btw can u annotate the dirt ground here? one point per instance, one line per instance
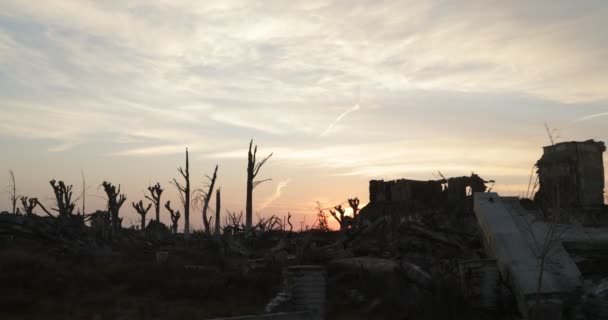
(40, 282)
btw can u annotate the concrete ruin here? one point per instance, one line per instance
(427, 193)
(572, 174)
(517, 239)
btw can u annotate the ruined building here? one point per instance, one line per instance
(414, 198)
(571, 175)
(430, 193)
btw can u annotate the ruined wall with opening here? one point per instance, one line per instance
(572, 174)
(429, 193)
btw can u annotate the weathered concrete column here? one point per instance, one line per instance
(307, 285)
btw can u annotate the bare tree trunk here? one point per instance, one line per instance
(139, 207)
(44, 209)
(63, 196)
(253, 169)
(84, 194)
(155, 194)
(354, 204)
(175, 215)
(249, 203)
(28, 205)
(206, 199)
(217, 212)
(339, 216)
(184, 191)
(115, 201)
(187, 199)
(13, 192)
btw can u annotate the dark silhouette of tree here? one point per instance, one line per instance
(63, 197)
(338, 214)
(218, 199)
(233, 222)
(115, 201)
(28, 205)
(175, 215)
(139, 207)
(84, 193)
(206, 199)
(155, 193)
(13, 192)
(354, 204)
(322, 223)
(43, 208)
(184, 194)
(253, 168)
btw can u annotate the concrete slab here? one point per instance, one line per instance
(515, 239)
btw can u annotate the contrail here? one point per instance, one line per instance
(277, 193)
(339, 118)
(589, 117)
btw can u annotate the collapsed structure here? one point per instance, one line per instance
(428, 193)
(411, 199)
(571, 176)
(552, 266)
(544, 258)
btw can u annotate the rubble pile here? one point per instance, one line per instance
(417, 245)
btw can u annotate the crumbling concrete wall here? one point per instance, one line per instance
(428, 193)
(405, 190)
(572, 173)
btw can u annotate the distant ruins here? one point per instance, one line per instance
(572, 174)
(428, 193)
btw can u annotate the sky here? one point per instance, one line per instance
(340, 91)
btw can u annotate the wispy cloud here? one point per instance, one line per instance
(157, 150)
(250, 123)
(276, 195)
(135, 78)
(418, 158)
(590, 117)
(339, 118)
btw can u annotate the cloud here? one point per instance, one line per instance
(339, 118)
(277, 194)
(417, 158)
(137, 78)
(156, 150)
(173, 65)
(238, 121)
(590, 117)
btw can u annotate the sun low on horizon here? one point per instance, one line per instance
(339, 92)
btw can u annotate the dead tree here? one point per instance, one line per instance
(139, 207)
(44, 208)
(354, 204)
(28, 205)
(233, 222)
(184, 194)
(175, 215)
(13, 192)
(206, 198)
(155, 192)
(115, 201)
(84, 193)
(322, 223)
(272, 223)
(63, 196)
(339, 215)
(253, 168)
(218, 199)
